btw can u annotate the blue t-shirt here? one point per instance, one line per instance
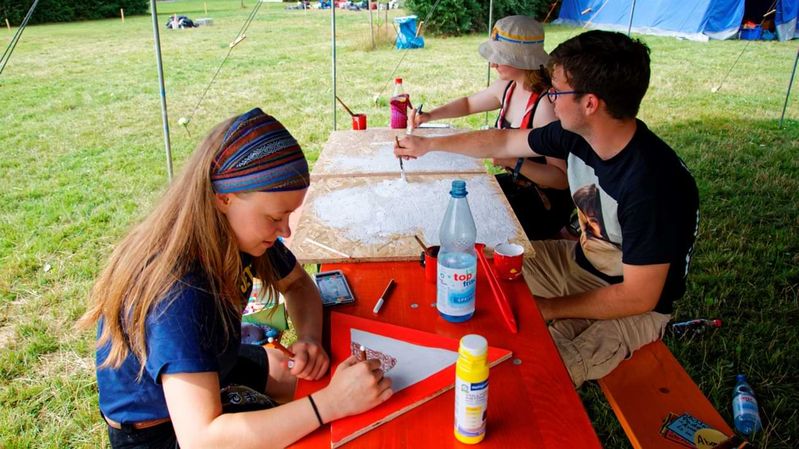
(185, 334)
(639, 207)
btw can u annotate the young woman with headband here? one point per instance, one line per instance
(170, 366)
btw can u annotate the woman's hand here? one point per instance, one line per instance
(417, 119)
(355, 387)
(310, 359)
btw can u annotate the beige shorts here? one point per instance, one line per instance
(590, 349)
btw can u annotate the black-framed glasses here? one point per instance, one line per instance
(553, 94)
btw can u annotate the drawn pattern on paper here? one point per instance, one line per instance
(413, 363)
(386, 361)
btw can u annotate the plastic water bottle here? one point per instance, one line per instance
(457, 261)
(696, 326)
(400, 102)
(471, 389)
(744, 407)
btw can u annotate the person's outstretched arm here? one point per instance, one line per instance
(551, 175)
(487, 99)
(496, 143)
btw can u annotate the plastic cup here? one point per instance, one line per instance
(429, 260)
(359, 122)
(508, 261)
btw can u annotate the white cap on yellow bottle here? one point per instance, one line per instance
(475, 345)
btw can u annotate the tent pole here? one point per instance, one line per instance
(371, 23)
(790, 83)
(164, 118)
(333, 34)
(632, 12)
(490, 26)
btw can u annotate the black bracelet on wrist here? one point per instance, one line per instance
(316, 411)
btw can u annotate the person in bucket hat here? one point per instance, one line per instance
(171, 368)
(536, 188)
(517, 41)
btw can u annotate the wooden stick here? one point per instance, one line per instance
(205, 5)
(122, 14)
(421, 243)
(8, 25)
(335, 251)
(499, 294)
(345, 106)
(240, 38)
(371, 24)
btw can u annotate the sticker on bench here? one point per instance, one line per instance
(682, 428)
(708, 438)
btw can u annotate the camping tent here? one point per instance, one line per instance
(698, 20)
(785, 22)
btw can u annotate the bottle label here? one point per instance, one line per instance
(399, 111)
(471, 403)
(744, 405)
(455, 291)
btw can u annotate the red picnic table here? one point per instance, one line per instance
(532, 402)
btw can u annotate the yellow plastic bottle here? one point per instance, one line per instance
(471, 389)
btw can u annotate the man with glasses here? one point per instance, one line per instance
(637, 203)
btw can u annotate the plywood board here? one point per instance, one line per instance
(375, 218)
(371, 152)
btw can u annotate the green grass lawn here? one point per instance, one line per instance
(83, 159)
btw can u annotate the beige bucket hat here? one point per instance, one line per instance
(517, 41)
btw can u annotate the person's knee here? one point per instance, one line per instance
(601, 348)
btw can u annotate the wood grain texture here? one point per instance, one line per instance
(389, 247)
(343, 145)
(532, 404)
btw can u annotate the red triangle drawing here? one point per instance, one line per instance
(412, 396)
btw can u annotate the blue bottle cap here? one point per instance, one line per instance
(740, 378)
(458, 189)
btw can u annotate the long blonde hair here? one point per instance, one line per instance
(185, 230)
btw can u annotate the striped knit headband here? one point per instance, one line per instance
(259, 155)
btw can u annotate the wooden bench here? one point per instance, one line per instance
(644, 389)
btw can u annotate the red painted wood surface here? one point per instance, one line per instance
(646, 388)
(531, 404)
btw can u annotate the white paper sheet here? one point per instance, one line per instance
(414, 362)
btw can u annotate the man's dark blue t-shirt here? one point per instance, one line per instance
(185, 334)
(640, 207)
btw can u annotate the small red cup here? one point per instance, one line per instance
(429, 260)
(508, 261)
(359, 122)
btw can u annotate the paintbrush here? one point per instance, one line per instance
(417, 111)
(402, 168)
(345, 106)
(421, 243)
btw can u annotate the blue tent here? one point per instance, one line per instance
(785, 22)
(697, 20)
